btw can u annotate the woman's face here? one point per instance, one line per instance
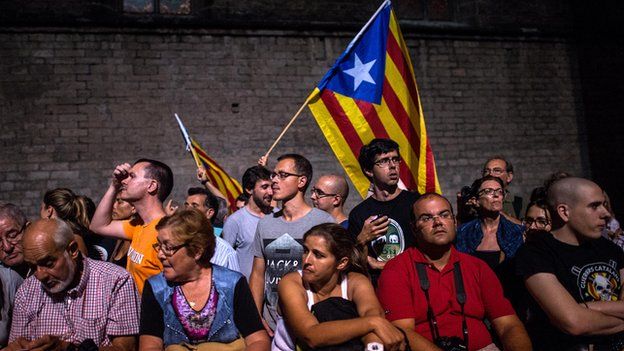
(319, 264)
(490, 196)
(175, 257)
(537, 218)
(122, 209)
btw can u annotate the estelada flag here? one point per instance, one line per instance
(227, 185)
(371, 92)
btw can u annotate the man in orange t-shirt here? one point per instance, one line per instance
(146, 184)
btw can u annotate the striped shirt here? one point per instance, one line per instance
(225, 255)
(104, 304)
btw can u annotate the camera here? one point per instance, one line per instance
(451, 343)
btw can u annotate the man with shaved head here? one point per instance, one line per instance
(329, 194)
(573, 275)
(71, 301)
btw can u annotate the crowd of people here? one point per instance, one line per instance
(401, 271)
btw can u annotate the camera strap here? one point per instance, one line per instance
(460, 295)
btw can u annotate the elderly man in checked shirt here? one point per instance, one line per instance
(71, 300)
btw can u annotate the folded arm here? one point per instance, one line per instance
(565, 313)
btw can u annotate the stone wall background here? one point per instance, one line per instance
(74, 103)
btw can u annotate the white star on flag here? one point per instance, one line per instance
(360, 72)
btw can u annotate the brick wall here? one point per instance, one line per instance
(75, 104)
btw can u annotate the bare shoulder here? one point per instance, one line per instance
(291, 281)
(354, 278)
(358, 283)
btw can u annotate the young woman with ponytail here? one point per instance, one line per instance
(64, 204)
(330, 304)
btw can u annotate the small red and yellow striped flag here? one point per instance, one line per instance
(371, 92)
(227, 185)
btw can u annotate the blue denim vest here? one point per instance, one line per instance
(222, 329)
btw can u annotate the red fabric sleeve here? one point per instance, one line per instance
(394, 289)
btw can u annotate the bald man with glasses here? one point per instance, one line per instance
(329, 194)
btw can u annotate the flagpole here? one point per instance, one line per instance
(383, 4)
(316, 91)
(188, 141)
(196, 158)
(292, 120)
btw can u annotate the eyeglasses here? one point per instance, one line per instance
(426, 218)
(385, 162)
(494, 171)
(168, 250)
(491, 192)
(320, 193)
(283, 175)
(540, 222)
(14, 236)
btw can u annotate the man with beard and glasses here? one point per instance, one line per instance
(71, 301)
(240, 227)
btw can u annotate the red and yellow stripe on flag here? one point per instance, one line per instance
(226, 184)
(349, 123)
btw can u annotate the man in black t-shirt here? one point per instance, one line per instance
(573, 274)
(381, 222)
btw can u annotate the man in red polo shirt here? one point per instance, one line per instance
(419, 292)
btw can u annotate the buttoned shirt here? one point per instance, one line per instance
(402, 297)
(104, 304)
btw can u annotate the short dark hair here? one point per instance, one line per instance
(243, 197)
(161, 173)
(508, 165)
(474, 188)
(210, 202)
(426, 196)
(374, 148)
(302, 166)
(253, 174)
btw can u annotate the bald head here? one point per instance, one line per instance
(336, 184)
(48, 231)
(568, 191)
(577, 208)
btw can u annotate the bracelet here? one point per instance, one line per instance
(585, 303)
(203, 182)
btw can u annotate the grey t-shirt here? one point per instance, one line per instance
(240, 230)
(280, 244)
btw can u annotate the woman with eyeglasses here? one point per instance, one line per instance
(330, 304)
(536, 219)
(192, 304)
(490, 237)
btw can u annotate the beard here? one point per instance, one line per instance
(55, 286)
